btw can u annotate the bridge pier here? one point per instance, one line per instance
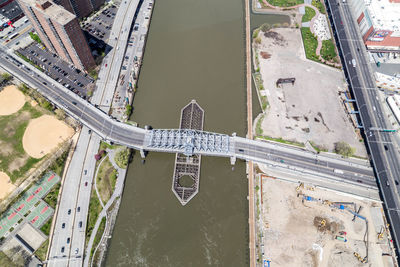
(143, 153)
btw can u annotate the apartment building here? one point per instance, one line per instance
(60, 31)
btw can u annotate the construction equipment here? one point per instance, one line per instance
(380, 234)
(301, 185)
(341, 238)
(360, 259)
(322, 223)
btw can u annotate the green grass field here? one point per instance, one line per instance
(320, 5)
(13, 159)
(106, 178)
(328, 51)
(310, 13)
(94, 210)
(51, 197)
(285, 3)
(310, 43)
(42, 250)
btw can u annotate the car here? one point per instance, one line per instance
(80, 224)
(241, 150)
(69, 211)
(79, 209)
(359, 181)
(76, 251)
(85, 172)
(396, 182)
(63, 226)
(62, 249)
(73, 102)
(86, 183)
(68, 240)
(106, 65)
(386, 148)
(44, 83)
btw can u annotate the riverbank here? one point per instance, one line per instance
(121, 109)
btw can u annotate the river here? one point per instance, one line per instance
(195, 50)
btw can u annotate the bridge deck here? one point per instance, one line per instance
(192, 117)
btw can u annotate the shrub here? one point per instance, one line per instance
(35, 37)
(344, 149)
(265, 27)
(122, 158)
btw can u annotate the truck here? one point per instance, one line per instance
(338, 171)
(353, 61)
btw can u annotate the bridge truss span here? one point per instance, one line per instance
(188, 142)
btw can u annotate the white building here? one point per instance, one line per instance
(379, 22)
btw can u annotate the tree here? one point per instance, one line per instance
(122, 158)
(128, 110)
(344, 149)
(265, 27)
(35, 37)
(60, 114)
(6, 76)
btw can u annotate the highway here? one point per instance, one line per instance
(78, 182)
(380, 144)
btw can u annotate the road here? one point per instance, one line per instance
(380, 144)
(77, 186)
(118, 132)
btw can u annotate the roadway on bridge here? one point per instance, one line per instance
(381, 148)
(134, 137)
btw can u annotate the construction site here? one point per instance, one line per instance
(304, 225)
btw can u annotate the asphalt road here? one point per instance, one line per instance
(380, 144)
(255, 150)
(118, 132)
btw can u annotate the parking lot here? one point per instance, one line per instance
(64, 73)
(97, 31)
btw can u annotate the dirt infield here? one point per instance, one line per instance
(44, 134)
(11, 100)
(5, 185)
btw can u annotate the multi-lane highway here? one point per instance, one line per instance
(69, 235)
(380, 144)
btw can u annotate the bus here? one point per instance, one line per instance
(14, 36)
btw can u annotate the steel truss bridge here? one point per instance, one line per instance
(185, 141)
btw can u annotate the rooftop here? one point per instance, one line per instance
(384, 15)
(52, 10)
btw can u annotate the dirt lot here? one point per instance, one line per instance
(44, 134)
(11, 100)
(5, 185)
(295, 234)
(309, 110)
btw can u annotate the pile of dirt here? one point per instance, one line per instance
(278, 38)
(265, 55)
(325, 226)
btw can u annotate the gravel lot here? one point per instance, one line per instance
(297, 237)
(311, 109)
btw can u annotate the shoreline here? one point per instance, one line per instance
(110, 212)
